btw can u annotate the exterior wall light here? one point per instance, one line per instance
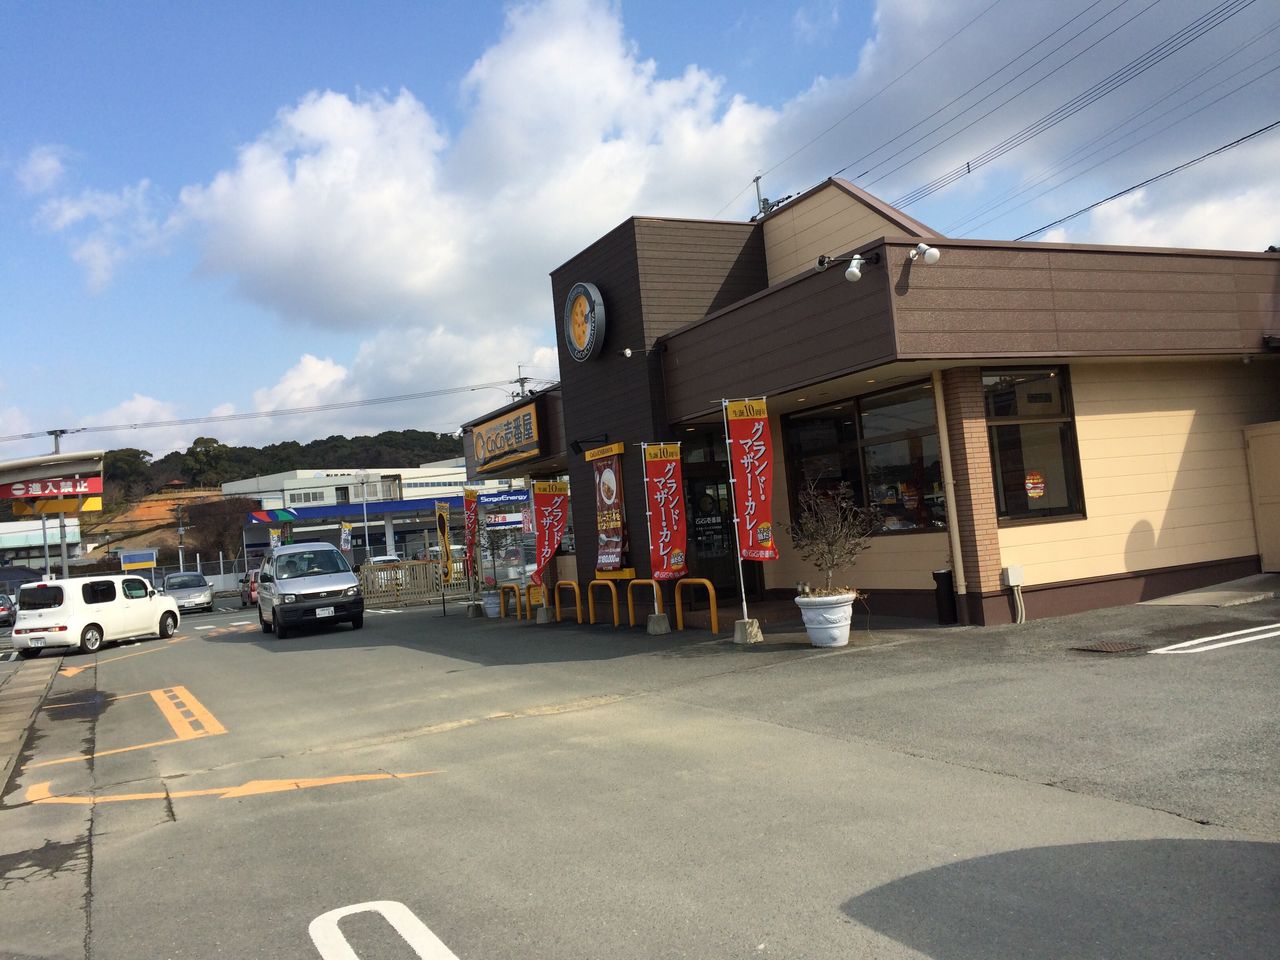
(857, 262)
(928, 254)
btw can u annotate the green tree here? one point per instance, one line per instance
(205, 462)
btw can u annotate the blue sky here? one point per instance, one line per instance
(211, 209)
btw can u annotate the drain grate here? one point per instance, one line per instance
(1111, 646)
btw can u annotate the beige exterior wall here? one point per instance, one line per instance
(1163, 465)
(894, 562)
(827, 221)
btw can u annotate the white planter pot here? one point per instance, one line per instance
(827, 619)
(492, 604)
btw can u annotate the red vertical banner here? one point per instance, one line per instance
(470, 525)
(751, 459)
(611, 517)
(664, 496)
(550, 517)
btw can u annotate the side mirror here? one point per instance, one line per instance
(152, 593)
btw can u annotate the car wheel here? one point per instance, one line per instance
(281, 630)
(266, 627)
(357, 621)
(28, 653)
(168, 624)
(91, 638)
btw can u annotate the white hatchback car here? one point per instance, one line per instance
(85, 612)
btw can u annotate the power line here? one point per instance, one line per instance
(1135, 68)
(1063, 165)
(994, 73)
(266, 414)
(814, 139)
(1160, 176)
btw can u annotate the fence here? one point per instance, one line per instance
(412, 582)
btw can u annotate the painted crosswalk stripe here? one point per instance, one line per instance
(241, 623)
(206, 626)
(1227, 639)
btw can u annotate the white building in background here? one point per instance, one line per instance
(313, 488)
(22, 542)
(391, 509)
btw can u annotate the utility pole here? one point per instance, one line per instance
(62, 517)
(522, 380)
(181, 530)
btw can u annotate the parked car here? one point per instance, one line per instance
(305, 583)
(191, 591)
(249, 589)
(6, 610)
(87, 612)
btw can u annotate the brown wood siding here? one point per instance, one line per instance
(805, 330)
(997, 301)
(689, 269)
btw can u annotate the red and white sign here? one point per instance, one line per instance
(751, 459)
(81, 487)
(551, 516)
(1034, 484)
(664, 492)
(470, 523)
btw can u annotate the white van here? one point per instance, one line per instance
(85, 612)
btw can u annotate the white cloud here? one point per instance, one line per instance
(105, 228)
(362, 213)
(43, 169)
(813, 22)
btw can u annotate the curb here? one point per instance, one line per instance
(21, 695)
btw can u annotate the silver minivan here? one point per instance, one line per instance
(300, 584)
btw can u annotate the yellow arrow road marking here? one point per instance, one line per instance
(43, 793)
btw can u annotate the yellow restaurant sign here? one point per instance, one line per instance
(507, 439)
(65, 505)
(599, 453)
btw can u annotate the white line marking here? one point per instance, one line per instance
(334, 946)
(240, 623)
(1245, 636)
(206, 626)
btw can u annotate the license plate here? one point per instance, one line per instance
(36, 642)
(324, 611)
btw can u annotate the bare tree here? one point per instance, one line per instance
(831, 529)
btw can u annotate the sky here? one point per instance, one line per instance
(213, 210)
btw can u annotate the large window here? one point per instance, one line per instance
(884, 446)
(1033, 443)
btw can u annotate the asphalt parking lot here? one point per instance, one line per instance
(575, 792)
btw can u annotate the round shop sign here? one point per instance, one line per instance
(1035, 485)
(583, 321)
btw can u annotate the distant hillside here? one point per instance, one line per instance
(131, 473)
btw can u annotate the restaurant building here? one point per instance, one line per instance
(1060, 426)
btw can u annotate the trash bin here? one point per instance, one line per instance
(944, 594)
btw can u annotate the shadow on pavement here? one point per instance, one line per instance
(1140, 900)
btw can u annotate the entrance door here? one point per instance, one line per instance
(712, 548)
(1262, 445)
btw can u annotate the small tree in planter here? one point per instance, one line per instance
(830, 530)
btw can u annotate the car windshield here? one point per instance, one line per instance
(183, 581)
(316, 564)
(42, 597)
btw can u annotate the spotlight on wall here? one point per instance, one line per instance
(577, 446)
(928, 254)
(625, 353)
(857, 263)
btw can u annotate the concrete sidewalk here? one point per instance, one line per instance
(23, 687)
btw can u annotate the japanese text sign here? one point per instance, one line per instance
(442, 533)
(551, 516)
(79, 487)
(470, 524)
(664, 495)
(751, 460)
(611, 520)
(507, 439)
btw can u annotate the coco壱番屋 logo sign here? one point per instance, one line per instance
(583, 321)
